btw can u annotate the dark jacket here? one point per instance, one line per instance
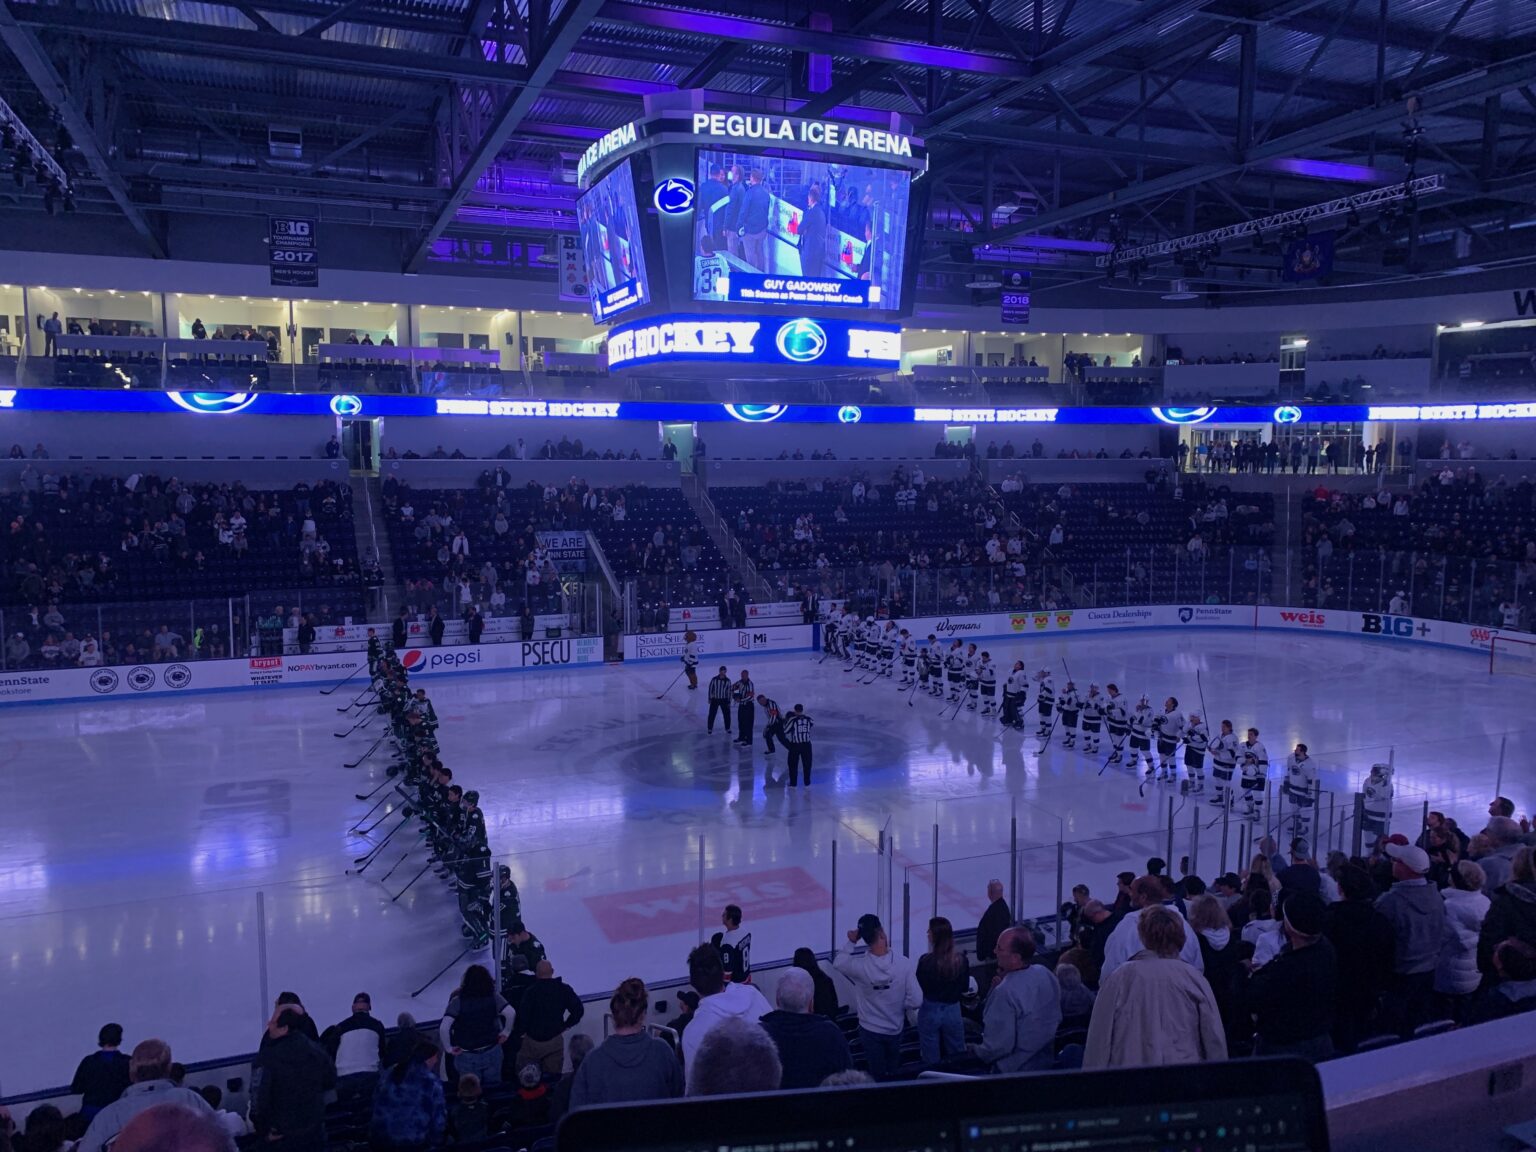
(1228, 979)
(756, 209)
(813, 240)
(994, 922)
(1512, 912)
(547, 1009)
(1292, 997)
(398, 632)
(289, 1080)
(811, 1047)
(825, 1003)
(100, 1079)
(1364, 945)
(937, 989)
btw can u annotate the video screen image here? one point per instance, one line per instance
(787, 230)
(611, 250)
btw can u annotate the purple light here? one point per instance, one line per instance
(1330, 170)
(1048, 243)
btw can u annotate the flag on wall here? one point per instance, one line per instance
(1309, 258)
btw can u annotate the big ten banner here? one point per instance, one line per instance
(573, 277)
(756, 639)
(567, 550)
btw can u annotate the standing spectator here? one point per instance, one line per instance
(994, 921)
(811, 1047)
(548, 1010)
(735, 945)
(1023, 1010)
(718, 1000)
(1417, 914)
(435, 627)
(409, 1112)
(1511, 911)
(1364, 944)
(630, 1064)
(476, 1023)
(1155, 1009)
(1504, 841)
(1292, 997)
(825, 1003)
(103, 1075)
(289, 1080)
(357, 1046)
(150, 1070)
(885, 989)
(944, 976)
(1456, 974)
(1124, 942)
(1224, 972)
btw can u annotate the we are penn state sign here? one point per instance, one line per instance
(779, 342)
(856, 143)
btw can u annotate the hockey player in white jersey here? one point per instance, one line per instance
(908, 659)
(972, 676)
(889, 642)
(1141, 735)
(1224, 748)
(870, 649)
(935, 667)
(829, 630)
(1093, 719)
(1117, 719)
(1253, 761)
(1169, 727)
(1015, 691)
(1070, 705)
(1301, 790)
(986, 672)
(1376, 820)
(1196, 740)
(847, 635)
(954, 669)
(1045, 702)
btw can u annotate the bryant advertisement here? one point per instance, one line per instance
(798, 231)
(611, 250)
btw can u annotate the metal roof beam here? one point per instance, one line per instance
(556, 45)
(40, 70)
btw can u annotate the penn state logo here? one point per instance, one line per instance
(1287, 414)
(1184, 415)
(756, 413)
(673, 196)
(177, 676)
(213, 403)
(1186, 615)
(849, 414)
(345, 406)
(801, 341)
(141, 679)
(103, 680)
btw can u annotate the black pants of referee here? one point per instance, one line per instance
(723, 707)
(746, 717)
(774, 728)
(799, 756)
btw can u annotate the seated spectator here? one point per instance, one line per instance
(1077, 998)
(1514, 968)
(45, 1131)
(232, 1122)
(149, 1069)
(1155, 1009)
(1022, 1011)
(718, 1000)
(408, 1106)
(1511, 911)
(579, 1048)
(103, 1075)
(289, 1081)
(736, 1056)
(810, 1047)
(357, 1046)
(630, 1064)
(1292, 997)
(469, 1116)
(529, 1106)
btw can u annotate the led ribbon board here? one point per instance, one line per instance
(755, 340)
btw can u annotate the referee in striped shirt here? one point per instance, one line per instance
(797, 739)
(719, 700)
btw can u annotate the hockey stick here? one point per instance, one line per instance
(365, 755)
(671, 686)
(359, 702)
(395, 865)
(356, 827)
(360, 722)
(1113, 748)
(911, 692)
(1051, 731)
(369, 796)
(373, 853)
(338, 684)
(414, 878)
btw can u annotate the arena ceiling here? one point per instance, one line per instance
(1054, 126)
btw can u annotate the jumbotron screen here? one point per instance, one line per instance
(797, 231)
(611, 248)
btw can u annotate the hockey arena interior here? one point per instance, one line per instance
(960, 576)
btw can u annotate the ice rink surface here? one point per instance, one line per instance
(140, 839)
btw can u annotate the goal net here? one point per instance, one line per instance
(1512, 656)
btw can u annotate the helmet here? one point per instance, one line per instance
(472, 797)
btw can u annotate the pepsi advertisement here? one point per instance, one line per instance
(608, 221)
(798, 231)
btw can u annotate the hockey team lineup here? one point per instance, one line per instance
(963, 677)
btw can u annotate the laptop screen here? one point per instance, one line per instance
(1240, 1106)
